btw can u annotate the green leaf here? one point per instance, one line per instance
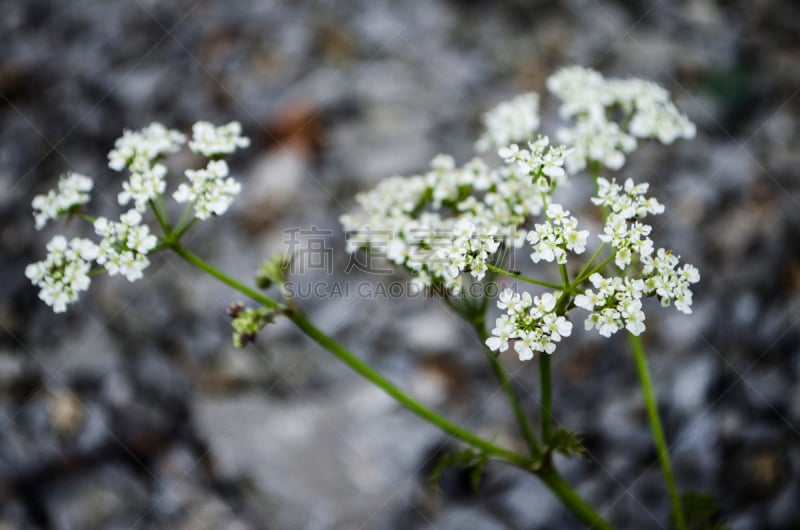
(567, 443)
(467, 458)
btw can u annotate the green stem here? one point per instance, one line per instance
(224, 278)
(505, 383)
(582, 278)
(160, 217)
(591, 260)
(545, 381)
(658, 431)
(86, 217)
(187, 211)
(523, 278)
(549, 476)
(360, 367)
(398, 395)
(572, 500)
(179, 232)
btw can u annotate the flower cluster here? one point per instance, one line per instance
(551, 240)
(210, 189)
(446, 221)
(642, 110)
(672, 284)
(126, 243)
(136, 150)
(452, 220)
(469, 249)
(616, 304)
(542, 161)
(73, 190)
(531, 323)
(212, 141)
(64, 273)
(623, 204)
(510, 122)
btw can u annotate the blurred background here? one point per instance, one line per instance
(133, 410)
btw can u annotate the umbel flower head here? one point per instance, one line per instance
(125, 244)
(64, 273)
(73, 190)
(453, 220)
(642, 110)
(532, 321)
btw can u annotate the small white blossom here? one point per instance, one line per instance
(596, 140)
(551, 240)
(668, 281)
(210, 189)
(610, 114)
(73, 190)
(211, 141)
(125, 245)
(540, 160)
(143, 186)
(510, 122)
(65, 271)
(614, 304)
(447, 221)
(530, 322)
(625, 203)
(138, 149)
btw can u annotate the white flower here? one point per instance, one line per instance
(512, 121)
(210, 189)
(551, 240)
(669, 282)
(525, 345)
(137, 149)
(211, 141)
(73, 190)
(64, 273)
(125, 245)
(642, 110)
(501, 334)
(540, 160)
(143, 186)
(445, 222)
(530, 322)
(616, 304)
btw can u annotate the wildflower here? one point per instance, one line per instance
(615, 304)
(73, 190)
(512, 121)
(642, 110)
(210, 189)
(125, 245)
(446, 221)
(212, 141)
(530, 322)
(540, 160)
(138, 149)
(143, 186)
(64, 273)
(551, 240)
(668, 281)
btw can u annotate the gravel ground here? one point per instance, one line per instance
(134, 411)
